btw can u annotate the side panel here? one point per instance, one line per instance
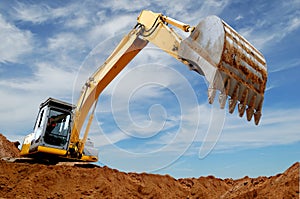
(40, 126)
(26, 144)
(38, 130)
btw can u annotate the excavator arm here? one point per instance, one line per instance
(128, 48)
(229, 62)
(150, 27)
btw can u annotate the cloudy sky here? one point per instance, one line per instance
(154, 116)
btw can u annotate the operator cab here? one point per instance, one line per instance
(50, 139)
(53, 126)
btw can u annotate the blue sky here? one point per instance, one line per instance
(154, 116)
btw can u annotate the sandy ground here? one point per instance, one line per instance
(24, 180)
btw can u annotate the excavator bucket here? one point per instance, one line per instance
(230, 64)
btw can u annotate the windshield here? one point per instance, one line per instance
(58, 127)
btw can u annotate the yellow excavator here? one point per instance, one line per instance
(233, 68)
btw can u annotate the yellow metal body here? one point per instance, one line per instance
(26, 144)
(241, 74)
(50, 150)
(25, 149)
(61, 154)
(43, 149)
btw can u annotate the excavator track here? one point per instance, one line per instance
(47, 162)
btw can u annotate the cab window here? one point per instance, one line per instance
(58, 127)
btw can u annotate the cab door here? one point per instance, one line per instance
(39, 128)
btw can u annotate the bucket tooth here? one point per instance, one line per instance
(249, 112)
(243, 102)
(244, 97)
(211, 95)
(227, 85)
(241, 108)
(233, 100)
(257, 116)
(250, 109)
(222, 100)
(232, 103)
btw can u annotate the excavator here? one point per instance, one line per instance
(234, 69)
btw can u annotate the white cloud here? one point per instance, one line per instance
(275, 25)
(23, 96)
(65, 42)
(80, 21)
(102, 139)
(293, 24)
(70, 16)
(47, 79)
(239, 17)
(111, 27)
(288, 65)
(32, 13)
(277, 127)
(39, 13)
(269, 133)
(167, 147)
(125, 6)
(14, 42)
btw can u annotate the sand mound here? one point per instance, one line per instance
(7, 148)
(23, 180)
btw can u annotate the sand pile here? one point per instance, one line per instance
(7, 148)
(23, 180)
